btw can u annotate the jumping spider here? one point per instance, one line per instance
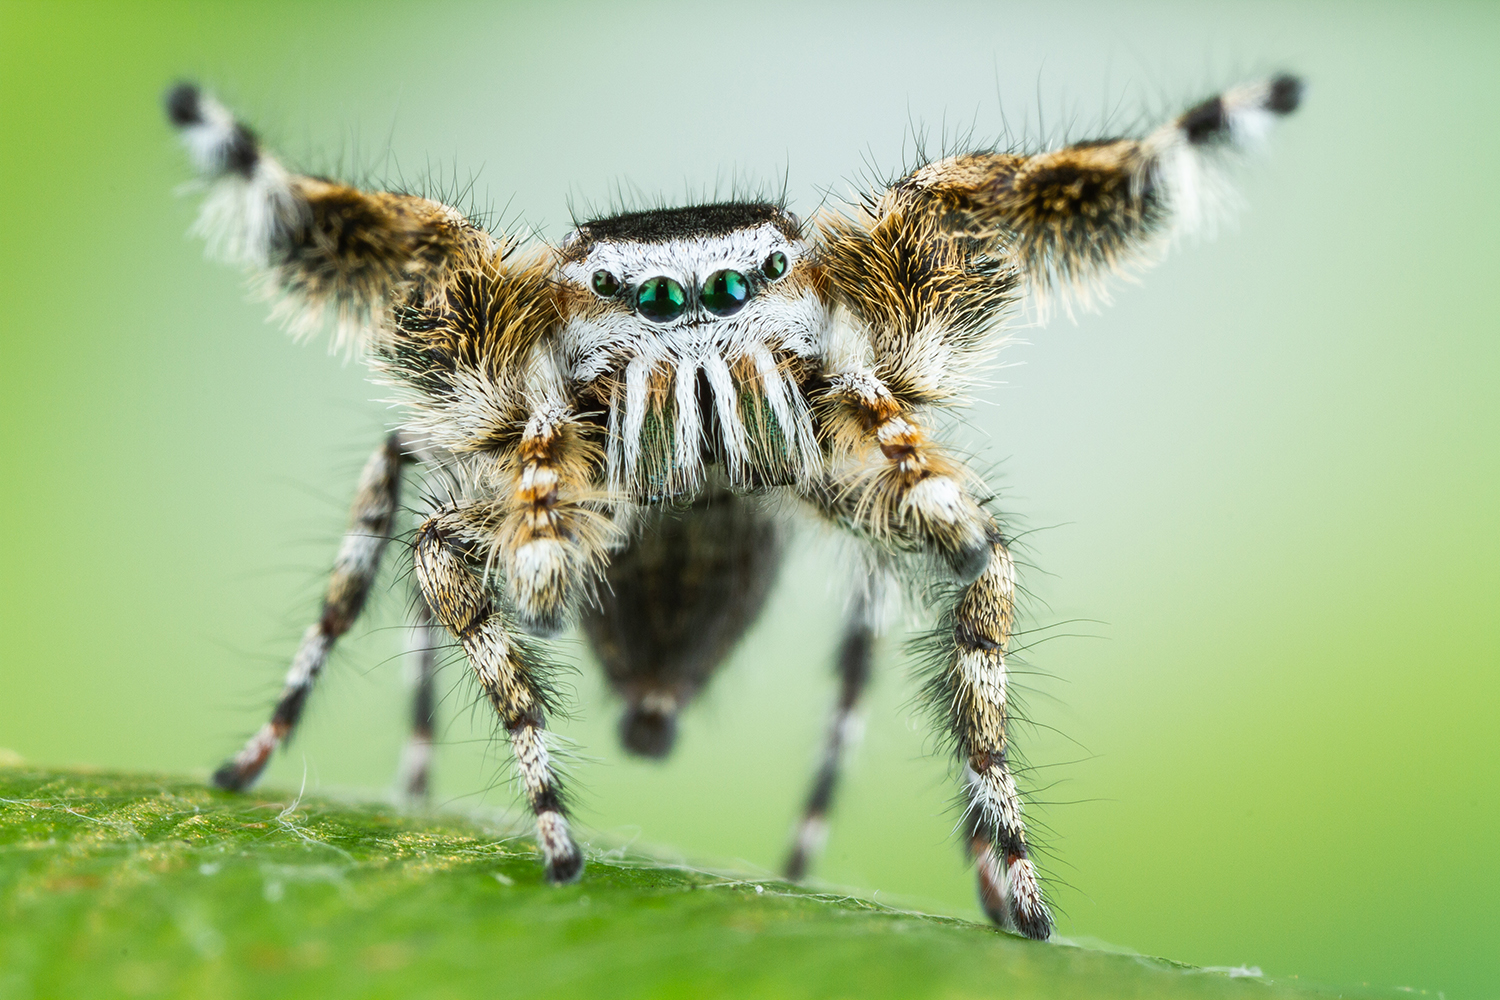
(612, 414)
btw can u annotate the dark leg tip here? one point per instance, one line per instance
(232, 778)
(182, 105)
(795, 869)
(1286, 94)
(566, 869)
(648, 733)
(1037, 925)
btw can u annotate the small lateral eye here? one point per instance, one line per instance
(605, 284)
(725, 292)
(774, 266)
(660, 299)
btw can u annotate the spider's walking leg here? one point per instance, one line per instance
(448, 546)
(416, 758)
(349, 584)
(972, 686)
(853, 666)
(901, 491)
(554, 538)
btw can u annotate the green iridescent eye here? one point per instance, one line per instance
(660, 299)
(725, 292)
(775, 265)
(605, 284)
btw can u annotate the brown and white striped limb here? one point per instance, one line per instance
(449, 549)
(553, 537)
(891, 482)
(1070, 217)
(973, 688)
(970, 687)
(370, 521)
(324, 249)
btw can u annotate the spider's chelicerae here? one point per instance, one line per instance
(620, 419)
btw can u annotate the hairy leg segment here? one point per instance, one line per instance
(449, 549)
(879, 495)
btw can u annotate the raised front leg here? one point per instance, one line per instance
(450, 563)
(321, 247)
(1072, 215)
(925, 273)
(348, 585)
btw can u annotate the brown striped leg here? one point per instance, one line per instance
(348, 585)
(853, 666)
(973, 687)
(554, 539)
(1069, 217)
(449, 571)
(416, 759)
(903, 487)
(326, 247)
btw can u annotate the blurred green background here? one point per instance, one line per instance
(1265, 560)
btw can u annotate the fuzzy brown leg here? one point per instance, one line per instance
(325, 247)
(365, 539)
(853, 669)
(1073, 214)
(449, 572)
(554, 539)
(972, 685)
(912, 493)
(416, 759)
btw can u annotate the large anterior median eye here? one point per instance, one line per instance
(660, 299)
(725, 292)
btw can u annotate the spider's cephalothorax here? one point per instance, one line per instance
(620, 419)
(694, 329)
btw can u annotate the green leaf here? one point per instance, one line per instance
(130, 885)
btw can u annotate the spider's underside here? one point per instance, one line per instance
(622, 417)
